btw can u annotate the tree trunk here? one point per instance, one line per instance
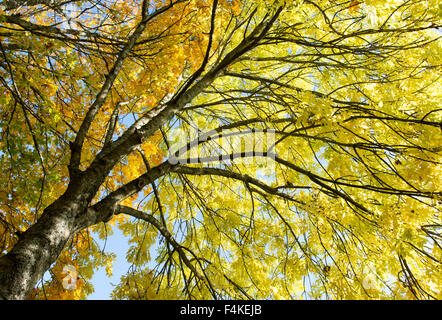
(38, 248)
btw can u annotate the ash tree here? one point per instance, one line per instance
(153, 117)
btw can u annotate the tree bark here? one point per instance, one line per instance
(37, 249)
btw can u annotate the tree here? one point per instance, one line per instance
(138, 115)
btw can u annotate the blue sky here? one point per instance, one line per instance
(118, 244)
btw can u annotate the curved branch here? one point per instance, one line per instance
(164, 232)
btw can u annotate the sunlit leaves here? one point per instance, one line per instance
(349, 209)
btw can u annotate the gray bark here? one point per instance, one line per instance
(37, 249)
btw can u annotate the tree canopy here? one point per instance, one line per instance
(247, 149)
